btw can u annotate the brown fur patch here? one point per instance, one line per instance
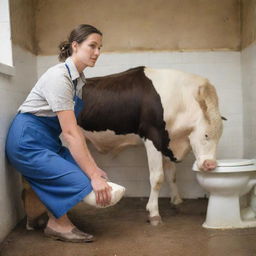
(159, 183)
(32, 204)
(125, 102)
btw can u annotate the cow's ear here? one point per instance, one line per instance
(224, 118)
(208, 101)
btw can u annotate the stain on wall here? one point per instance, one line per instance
(248, 24)
(134, 25)
(22, 13)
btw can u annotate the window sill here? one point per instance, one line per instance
(7, 70)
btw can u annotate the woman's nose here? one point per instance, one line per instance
(97, 52)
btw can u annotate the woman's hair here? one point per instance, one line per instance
(79, 34)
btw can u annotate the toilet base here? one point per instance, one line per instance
(230, 180)
(241, 224)
(223, 212)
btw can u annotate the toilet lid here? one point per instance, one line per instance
(234, 162)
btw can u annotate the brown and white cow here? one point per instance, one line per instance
(168, 110)
(148, 103)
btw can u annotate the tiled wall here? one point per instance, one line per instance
(13, 90)
(248, 63)
(221, 68)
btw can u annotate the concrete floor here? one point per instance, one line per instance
(123, 231)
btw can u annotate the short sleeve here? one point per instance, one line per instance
(58, 91)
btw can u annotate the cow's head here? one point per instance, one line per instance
(207, 130)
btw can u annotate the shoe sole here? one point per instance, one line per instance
(63, 239)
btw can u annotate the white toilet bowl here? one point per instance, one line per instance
(231, 179)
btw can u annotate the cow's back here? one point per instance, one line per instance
(118, 102)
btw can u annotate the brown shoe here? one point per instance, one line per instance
(74, 236)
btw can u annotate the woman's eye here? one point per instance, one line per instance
(206, 136)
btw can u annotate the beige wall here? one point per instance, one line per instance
(22, 14)
(134, 25)
(248, 12)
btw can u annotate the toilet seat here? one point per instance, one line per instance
(235, 162)
(232, 165)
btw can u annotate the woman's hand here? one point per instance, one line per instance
(101, 189)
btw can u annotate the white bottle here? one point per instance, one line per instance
(117, 193)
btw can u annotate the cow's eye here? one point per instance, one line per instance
(206, 136)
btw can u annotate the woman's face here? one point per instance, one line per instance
(88, 51)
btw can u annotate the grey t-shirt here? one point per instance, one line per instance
(54, 91)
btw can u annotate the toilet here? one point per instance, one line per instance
(231, 179)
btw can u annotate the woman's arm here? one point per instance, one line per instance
(104, 174)
(76, 143)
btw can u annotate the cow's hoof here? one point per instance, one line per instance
(155, 220)
(37, 223)
(30, 225)
(176, 200)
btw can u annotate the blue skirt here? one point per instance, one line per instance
(33, 147)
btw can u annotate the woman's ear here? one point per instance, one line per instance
(74, 46)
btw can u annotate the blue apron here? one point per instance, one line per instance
(33, 147)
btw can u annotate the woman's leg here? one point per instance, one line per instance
(62, 224)
(63, 229)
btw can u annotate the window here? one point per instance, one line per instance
(6, 62)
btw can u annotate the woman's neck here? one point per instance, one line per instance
(79, 65)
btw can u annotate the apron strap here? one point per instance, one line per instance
(73, 81)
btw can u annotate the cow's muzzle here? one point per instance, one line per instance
(209, 165)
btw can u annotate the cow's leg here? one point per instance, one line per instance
(170, 175)
(155, 165)
(34, 209)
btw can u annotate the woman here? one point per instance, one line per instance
(60, 176)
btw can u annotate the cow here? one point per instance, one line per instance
(169, 111)
(145, 104)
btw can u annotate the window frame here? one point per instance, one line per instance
(6, 63)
